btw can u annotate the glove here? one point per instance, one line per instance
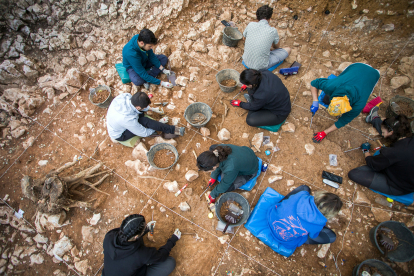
(314, 107)
(211, 182)
(319, 137)
(365, 147)
(164, 120)
(235, 103)
(166, 84)
(212, 200)
(177, 233)
(243, 87)
(167, 72)
(151, 225)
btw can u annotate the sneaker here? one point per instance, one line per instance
(372, 114)
(247, 97)
(147, 86)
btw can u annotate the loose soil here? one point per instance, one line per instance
(198, 118)
(229, 83)
(405, 109)
(100, 96)
(164, 158)
(225, 209)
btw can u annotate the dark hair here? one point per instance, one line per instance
(131, 226)
(208, 159)
(264, 12)
(251, 77)
(399, 125)
(140, 99)
(328, 204)
(147, 36)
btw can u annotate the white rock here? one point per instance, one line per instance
(223, 239)
(137, 165)
(28, 142)
(82, 266)
(275, 169)
(140, 152)
(42, 162)
(290, 183)
(162, 209)
(176, 59)
(388, 27)
(308, 77)
(310, 149)
(191, 175)
(324, 249)
(326, 53)
(95, 219)
(288, 127)
(158, 140)
(18, 132)
(257, 140)
(62, 246)
(87, 234)
(175, 121)
(171, 186)
(245, 136)
(181, 80)
(37, 259)
(205, 131)
(274, 178)
(223, 134)
(40, 239)
(184, 206)
(397, 82)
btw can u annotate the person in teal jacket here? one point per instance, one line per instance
(346, 95)
(140, 62)
(237, 165)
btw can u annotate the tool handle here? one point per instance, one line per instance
(225, 23)
(331, 183)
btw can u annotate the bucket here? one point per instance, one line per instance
(399, 99)
(231, 36)
(382, 268)
(405, 249)
(107, 102)
(225, 75)
(240, 200)
(198, 108)
(158, 147)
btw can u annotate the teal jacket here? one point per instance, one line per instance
(136, 58)
(356, 82)
(241, 161)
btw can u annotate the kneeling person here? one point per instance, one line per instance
(125, 118)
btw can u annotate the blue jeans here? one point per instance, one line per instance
(137, 80)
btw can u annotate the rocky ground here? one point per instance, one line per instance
(52, 52)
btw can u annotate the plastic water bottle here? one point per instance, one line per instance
(383, 202)
(264, 167)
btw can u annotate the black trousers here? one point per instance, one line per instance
(377, 124)
(377, 181)
(148, 123)
(263, 118)
(326, 235)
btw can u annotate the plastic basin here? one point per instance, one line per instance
(383, 268)
(161, 146)
(225, 75)
(198, 108)
(398, 99)
(231, 36)
(107, 102)
(240, 200)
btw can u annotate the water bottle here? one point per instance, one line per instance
(383, 202)
(264, 167)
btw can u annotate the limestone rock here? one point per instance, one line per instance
(289, 127)
(62, 246)
(257, 140)
(171, 186)
(40, 239)
(275, 169)
(223, 134)
(176, 59)
(409, 91)
(290, 183)
(310, 149)
(42, 163)
(88, 45)
(343, 65)
(223, 239)
(18, 132)
(388, 27)
(274, 178)
(205, 131)
(158, 140)
(140, 152)
(87, 234)
(137, 165)
(95, 219)
(181, 80)
(245, 135)
(73, 78)
(82, 266)
(175, 121)
(36, 259)
(307, 78)
(49, 222)
(184, 206)
(381, 215)
(324, 249)
(362, 198)
(13, 124)
(397, 82)
(191, 175)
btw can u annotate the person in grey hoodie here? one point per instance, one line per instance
(125, 118)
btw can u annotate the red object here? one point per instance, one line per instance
(235, 103)
(150, 96)
(319, 137)
(212, 200)
(211, 182)
(371, 104)
(243, 87)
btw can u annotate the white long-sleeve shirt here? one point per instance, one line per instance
(122, 115)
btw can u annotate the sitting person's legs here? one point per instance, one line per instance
(161, 269)
(126, 135)
(263, 118)
(155, 125)
(365, 176)
(155, 71)
(278, 55)
(135, 78)
(325, 236)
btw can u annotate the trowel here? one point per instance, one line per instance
(162, 103)
(172, 77)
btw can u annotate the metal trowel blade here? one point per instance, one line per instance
(172, 78)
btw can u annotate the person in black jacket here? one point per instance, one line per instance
(390, 172)
(125, 253)
(268, 99)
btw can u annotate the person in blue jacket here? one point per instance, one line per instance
(346, 95)
(140, 62)
(301, 218)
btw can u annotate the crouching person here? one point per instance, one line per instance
(301, 218)
(125, 253)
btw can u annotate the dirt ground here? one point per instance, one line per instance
(203, 253)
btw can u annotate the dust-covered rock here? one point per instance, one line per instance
(159, 140)
(288, 127)
(275, 169)
(324, 249)
(137, 165)
(62, 246)
(310, 149)
(223, 134)
(401, 81)
(82, 266)
(362, 198)
(205, 131)
(290, 183)
(181, 80)
(191, 175)
(184, 206)
(87, 234)
(171, 186)
(257, 140)
(140, 152)
(274, 178)
(381, 215)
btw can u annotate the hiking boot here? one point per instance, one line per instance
(247, 97)
(372, 114)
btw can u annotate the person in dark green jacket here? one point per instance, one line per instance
(140, 62)
(237, 165)
(346, 95)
